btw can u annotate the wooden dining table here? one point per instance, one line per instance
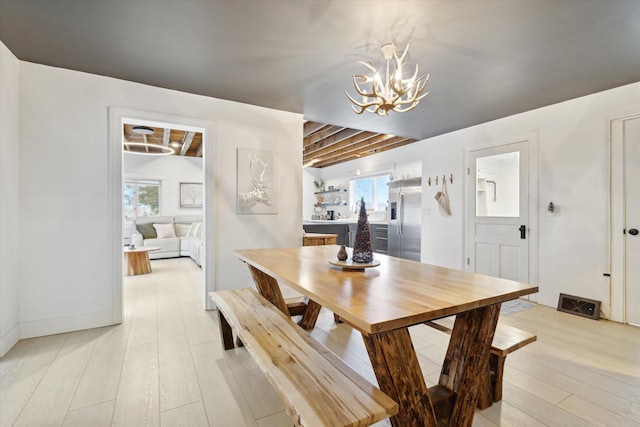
(382, 303)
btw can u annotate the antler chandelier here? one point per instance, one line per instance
(394, 92)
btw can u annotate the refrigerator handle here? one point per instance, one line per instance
(401, 213)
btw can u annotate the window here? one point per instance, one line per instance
(141, 198)
(374, 190)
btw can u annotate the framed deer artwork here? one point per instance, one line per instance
(256, 190)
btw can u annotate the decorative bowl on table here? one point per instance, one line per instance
(354, 266)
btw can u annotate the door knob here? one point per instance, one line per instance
(633, 231)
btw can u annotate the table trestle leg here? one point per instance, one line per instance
(396, 366)
(466, 362)
(269, 289)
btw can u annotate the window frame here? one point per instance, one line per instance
(136, 182)
(353, 204)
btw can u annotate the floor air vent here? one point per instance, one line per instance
(580, 306)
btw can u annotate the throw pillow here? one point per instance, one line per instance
(165, 231)
(197, 232)
(192, 229)
(182, 230)
(147, 231)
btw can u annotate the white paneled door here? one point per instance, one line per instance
(498, 211)
(625, 219)
(631, 230)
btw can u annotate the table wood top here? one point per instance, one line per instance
(396, 294)
(142, 249)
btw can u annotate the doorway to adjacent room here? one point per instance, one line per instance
(119, 117)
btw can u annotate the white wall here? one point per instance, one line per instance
(64, 245)
(571, 174)
(9, 203)
(171, 171)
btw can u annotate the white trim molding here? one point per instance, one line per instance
(532, 138)
(117, 115)
(9, 339)
(613, 251)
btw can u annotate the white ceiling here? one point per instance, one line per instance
(487, 59)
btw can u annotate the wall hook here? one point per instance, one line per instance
(429, 181)
(436, 180)
(451, 178)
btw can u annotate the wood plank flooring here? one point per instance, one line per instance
(164, 366)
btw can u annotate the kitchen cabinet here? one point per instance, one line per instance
(378, 236)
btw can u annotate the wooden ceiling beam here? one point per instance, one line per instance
(363, 154)
(327, 145)
(363, 150)
(326, 149)
(324, 133)
(311, 127)
(186, 142)
(144, 138)
(331, 140)
(336, 162)
(165, 137)
(349, 148)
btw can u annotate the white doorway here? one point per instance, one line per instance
(501, 210)
(119, 116)
(625, 219)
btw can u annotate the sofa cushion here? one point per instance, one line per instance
(197, 232)
(154, 220)
(192, 229)
(165, 231)
(182, 229)
(147, 231)
(187, 219)
(169, 248)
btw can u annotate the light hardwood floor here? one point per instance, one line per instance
(165, 366)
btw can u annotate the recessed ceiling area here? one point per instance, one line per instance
(327, 145)
(151, 140)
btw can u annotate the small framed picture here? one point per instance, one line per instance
(190, 195)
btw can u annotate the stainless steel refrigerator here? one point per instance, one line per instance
(405, 218)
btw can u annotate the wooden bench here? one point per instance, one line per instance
(317, 388)
(506, 340)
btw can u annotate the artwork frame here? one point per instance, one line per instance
(191, 195)
(256, 182)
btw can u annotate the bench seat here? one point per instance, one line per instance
(317, 388)
(506, 340)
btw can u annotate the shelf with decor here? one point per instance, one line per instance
(331, 197)
(343, 203)
(338, 190)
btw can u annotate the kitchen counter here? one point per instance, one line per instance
(340, 221)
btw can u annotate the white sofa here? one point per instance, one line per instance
(187, 241)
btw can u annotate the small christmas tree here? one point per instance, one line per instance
(362, 248)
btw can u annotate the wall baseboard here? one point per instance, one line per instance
(9, 339)
(39, 328)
